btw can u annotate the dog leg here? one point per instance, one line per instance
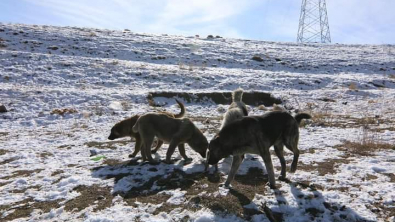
(292, 145)
(146, 149)
(143, 156)
(237, 160)
(269, 168)
(294, 163)
(181, 149)
(137, 147)
(172, 147)
(160, 143)
(267, 159)
(279, 149)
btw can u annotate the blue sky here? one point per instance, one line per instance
(351, 21)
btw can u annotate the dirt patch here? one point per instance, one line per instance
(106, 145)
(8, 160)
(65, 147)
(100, 197)
(45, 154)
(25, 189)
(366, 147)
(21, 173)
(241, 194)
(382, 210)
(391, 176)
(23, 209)
(327, 119)
(369, 177)
(249, 98)
(2, 152)
(329, 166)
(4, 133)
(5, 183)
(56, 172)
(64, 111)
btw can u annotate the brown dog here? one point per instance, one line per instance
(177, 132)
(256, 134)
(124, 129)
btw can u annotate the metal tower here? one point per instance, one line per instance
(313, 22)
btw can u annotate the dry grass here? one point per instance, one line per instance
(353, 86)
(367, 147)
(324, 118)
(64, 111)
(368, 142)
(2, 152)
(99, 197)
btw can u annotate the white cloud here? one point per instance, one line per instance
(157, 16)
(351, 21)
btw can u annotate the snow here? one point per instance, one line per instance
(105, 76)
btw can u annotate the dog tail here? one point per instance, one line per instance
(182, 112)
(237, 95)
(135, 128)
(301, 116)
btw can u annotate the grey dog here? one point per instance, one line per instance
(256, 134)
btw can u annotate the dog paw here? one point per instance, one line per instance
(132, 155)
(272, 186)
(282, 178)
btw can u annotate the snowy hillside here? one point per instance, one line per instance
(65, 87)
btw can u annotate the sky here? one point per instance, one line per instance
(350, 21)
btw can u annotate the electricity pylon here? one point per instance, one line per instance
(313, 22)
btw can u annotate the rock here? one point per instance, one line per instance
(53, 47)
(3, 109)
(257, 58)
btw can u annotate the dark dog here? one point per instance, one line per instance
(124, 129)
(256, 134)
(177, 132)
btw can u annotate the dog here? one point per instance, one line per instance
(236, 110)
(124, 129)
(256, 134)
(177, 132)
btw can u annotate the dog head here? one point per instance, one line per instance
(114, 133)
(214, 153)
(123, 128)
(199, 143)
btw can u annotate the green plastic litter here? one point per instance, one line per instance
(98, 158)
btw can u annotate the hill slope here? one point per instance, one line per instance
(65, 87)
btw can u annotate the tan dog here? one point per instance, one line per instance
(177, 132)
(236, 110)
(124, 129)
